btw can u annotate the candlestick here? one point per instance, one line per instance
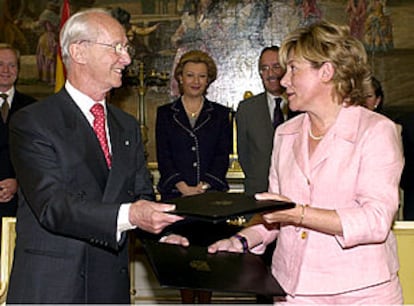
(234, 163)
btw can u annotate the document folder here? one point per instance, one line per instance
(218, 206)
(194, 268)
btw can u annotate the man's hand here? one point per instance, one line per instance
(8, 187)
(151, 216)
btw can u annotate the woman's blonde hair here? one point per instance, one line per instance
(324, 42)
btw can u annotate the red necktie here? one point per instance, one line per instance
(278, 117)
(99, 127)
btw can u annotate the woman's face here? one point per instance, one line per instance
(194, 79)
(301, 81)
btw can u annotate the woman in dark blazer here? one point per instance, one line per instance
(193, 134)
(194, 140)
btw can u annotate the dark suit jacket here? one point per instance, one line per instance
(19, 101)
(192, 154)
(407, 178)
(255, 141)
(66, 247)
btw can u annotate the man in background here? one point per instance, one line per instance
(257, 118)
(82, 172)
(11, 100)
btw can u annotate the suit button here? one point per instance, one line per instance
(304, 235)
(124, 270)
(193, 148)
(308, 182)
(194, 165)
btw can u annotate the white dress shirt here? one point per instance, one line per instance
(271, 105)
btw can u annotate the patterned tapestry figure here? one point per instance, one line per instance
(357, 14)
(378, 28)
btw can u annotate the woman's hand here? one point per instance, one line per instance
(271, 196)
(187, 190)
(289, 216)
(230, 245)
(175, 239)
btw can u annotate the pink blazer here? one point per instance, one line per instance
(355, 170)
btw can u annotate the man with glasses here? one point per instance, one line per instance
(257, 117)
(83, 178)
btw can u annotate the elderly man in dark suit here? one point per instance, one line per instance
(11, 100)
(83, 178)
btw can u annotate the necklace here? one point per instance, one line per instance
(317, 138)
(193, 114)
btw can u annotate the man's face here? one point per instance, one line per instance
(8, 69)
(271, 72)
(104, 65)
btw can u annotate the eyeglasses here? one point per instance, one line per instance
(118, 48)
(274, 68)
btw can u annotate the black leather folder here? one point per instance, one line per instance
(194, 268)
(219, 206)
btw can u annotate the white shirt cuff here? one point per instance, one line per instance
(123, 221)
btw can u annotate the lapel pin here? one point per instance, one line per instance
(127, 142)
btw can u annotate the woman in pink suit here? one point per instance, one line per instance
(341, 164)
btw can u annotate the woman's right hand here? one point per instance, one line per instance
(230, 245)
(187, 190)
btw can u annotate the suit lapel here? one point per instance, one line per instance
(300, 149)
(81, 136)
(262, 109)
(121, 146)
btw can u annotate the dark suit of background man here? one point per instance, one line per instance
(9, 70)
(407, 178)
(78, 202)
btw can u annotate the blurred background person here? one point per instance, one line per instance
(194, 140)
(407, 178)
(375, 97)
(11, 100)
(324, 160)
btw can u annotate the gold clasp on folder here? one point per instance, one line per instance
(237, 221)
